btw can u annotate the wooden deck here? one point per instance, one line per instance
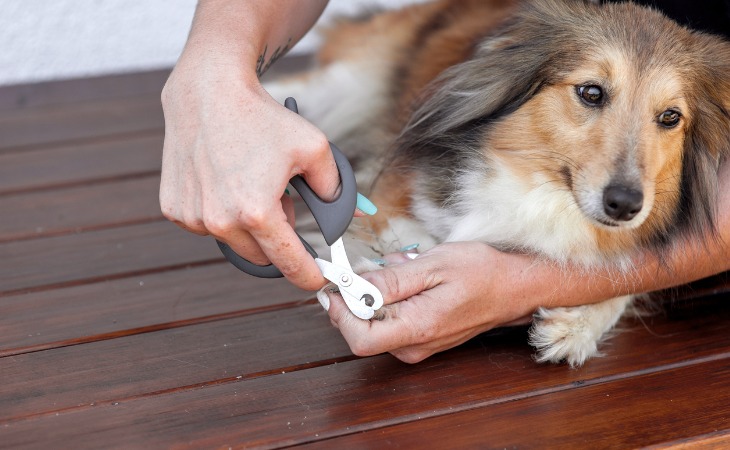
(118, 330)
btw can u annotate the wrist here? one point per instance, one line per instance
(249, 34)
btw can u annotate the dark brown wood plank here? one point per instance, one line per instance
(97, 255)
(375, 393)
(78, 164)
(31, 128)
(76, 110)
(34, 95)
(144, 303)
(59, 211)
(716, 440)
(168, 360)
(643, 410)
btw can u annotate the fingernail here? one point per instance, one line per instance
(412, 255)
(324, 299)
(379, 261)
(409, 247)
(365, 205)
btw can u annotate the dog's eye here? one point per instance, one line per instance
(591, 95)
(669, 118)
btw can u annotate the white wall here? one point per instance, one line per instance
(57, 39)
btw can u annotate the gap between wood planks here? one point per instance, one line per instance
(91, 182)
(387, 421)
(153, 328)
(565, 425)
(109, 277)
(82, 141)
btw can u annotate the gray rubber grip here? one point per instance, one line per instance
(333, 218)
(244, 265)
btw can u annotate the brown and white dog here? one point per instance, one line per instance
(576, 132)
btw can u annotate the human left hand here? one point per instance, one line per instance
(439, 300)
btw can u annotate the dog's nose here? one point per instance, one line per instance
(622, 203)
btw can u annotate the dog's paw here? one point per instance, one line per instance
(563, 334)
(573, 334)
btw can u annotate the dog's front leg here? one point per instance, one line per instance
(573, 334)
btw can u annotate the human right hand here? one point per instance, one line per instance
(229, 152)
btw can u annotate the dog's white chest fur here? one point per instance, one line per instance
(514, 214)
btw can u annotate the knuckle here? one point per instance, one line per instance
(169, 211)
(220, 221)
(361, 347)
(291, 267)
(320, 146)
(168, 206)
(217, 225)
(391, 282)
(411, 356)
(317, 148)
(195, 225)
(360, 351)
(253, 218)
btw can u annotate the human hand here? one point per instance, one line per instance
(439, 300)
(229, 152)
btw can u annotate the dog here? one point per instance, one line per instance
(583, 134)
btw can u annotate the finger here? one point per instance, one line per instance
(196, 229)
(287, 205)
(318, 166)
(412, 354)
(367, 338)
(399, 258)
(284, 249)
(244, 244)
(402, 281)
(179, 205)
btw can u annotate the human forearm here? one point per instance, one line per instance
(249, 34)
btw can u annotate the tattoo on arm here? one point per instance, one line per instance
(262, 64)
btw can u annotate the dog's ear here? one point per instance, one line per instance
(710, 78)
(507, 69)
(707, 143)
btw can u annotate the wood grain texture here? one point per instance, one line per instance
(168, 361)
(376, 393)
(36, 127)
(97, 255)
(626, 413)
(79, 164)
(148, 302)
(69, 92)
(108, 87)
(80, 208)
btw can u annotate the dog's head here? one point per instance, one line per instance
(616, 104)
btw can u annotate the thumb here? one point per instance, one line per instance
(402, 281)
(316, 162)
